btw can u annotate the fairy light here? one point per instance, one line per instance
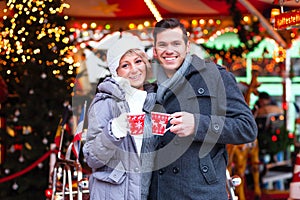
(153, 9)
(140, 26)
(131, 26)
(202, 22)
(146, 23)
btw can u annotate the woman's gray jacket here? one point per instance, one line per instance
(118, 172)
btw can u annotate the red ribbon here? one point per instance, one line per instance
(27, 169)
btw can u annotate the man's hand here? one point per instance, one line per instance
(183, 124)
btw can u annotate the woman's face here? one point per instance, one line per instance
(133, 68)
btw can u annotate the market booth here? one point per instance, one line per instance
(241, 37)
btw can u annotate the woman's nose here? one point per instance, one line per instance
(134, 68)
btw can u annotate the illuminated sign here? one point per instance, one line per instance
(287, 19)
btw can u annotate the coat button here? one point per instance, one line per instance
(204, 168)
(161, 171)
(201, 90)
(175, 170)
(136, 169)
(162, 144)
(216, 127)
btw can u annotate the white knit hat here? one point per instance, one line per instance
(119, 48)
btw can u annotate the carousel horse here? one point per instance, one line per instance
(239, 155)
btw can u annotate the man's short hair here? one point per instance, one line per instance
(264, 95)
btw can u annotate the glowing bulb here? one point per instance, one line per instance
(146, 23)
(84, 26)
(93, 25)
(131, 26)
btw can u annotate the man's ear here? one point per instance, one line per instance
(154, 52)
(188, 46)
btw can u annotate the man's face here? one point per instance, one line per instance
(170, 50)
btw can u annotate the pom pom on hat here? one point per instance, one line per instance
(119, 48)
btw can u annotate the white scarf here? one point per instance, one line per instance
(135, 99)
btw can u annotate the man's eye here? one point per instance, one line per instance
(162, 45)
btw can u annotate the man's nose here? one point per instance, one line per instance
(170, 47)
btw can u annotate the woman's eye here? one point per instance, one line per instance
(138, 61)
(124, 65)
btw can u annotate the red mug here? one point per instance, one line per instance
(136, 123)
(159, 123)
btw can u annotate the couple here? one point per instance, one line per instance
(207, 110)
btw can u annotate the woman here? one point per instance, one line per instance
(121, 163)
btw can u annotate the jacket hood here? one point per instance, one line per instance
(110, 88)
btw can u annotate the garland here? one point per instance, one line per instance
(246, 34)
(27, 169)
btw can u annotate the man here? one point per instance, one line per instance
(207, 111)
(266, 105)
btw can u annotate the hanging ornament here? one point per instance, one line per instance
(60, 77)
(48, 193)
(43, 75)
(17, 112)
(15, 119)
(28, 146)
(45, 141)
(31, 91)
(18, 147)
(15, 186)
(26, 130)
(40, 165)
(48, 133)
(21, 159)
(10, 131)
(7, 171)
(12, 149)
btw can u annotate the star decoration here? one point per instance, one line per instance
(105, 8)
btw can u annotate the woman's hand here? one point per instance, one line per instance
(120, 126)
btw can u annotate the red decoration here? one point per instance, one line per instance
(291, 135)
(48, 193)
(2, 153)
(274, 138)
(277, 131)
(287, 19)
(2, 123)
(18, 147)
